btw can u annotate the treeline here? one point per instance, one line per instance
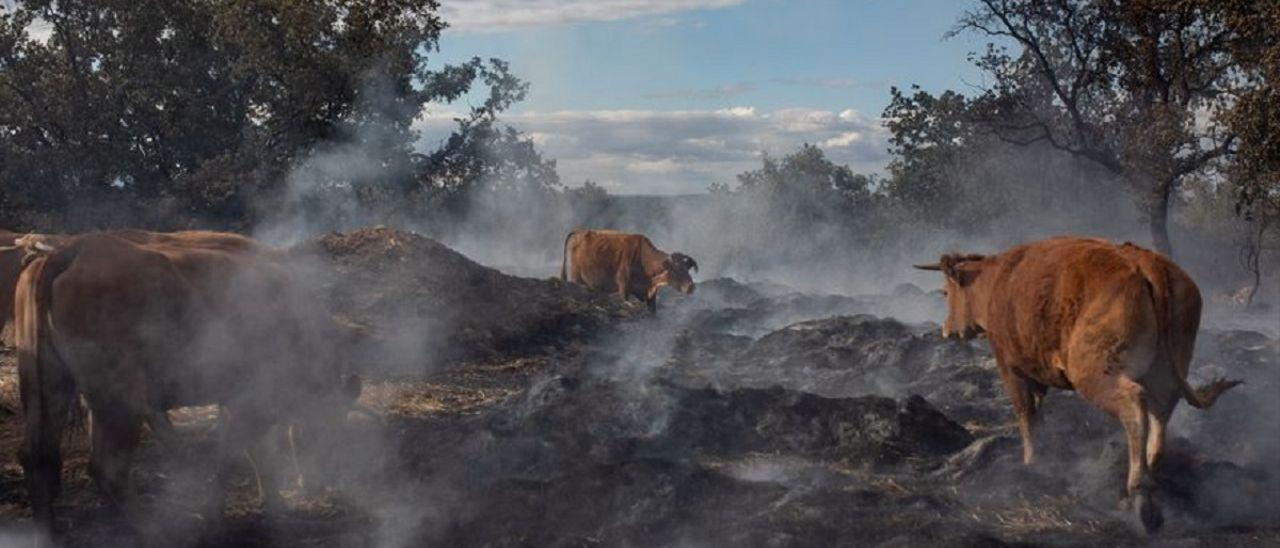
(179, 113)
(1099, 115)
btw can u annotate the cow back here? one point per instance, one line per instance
(1041, 292)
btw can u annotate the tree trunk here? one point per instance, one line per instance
(1159, 215)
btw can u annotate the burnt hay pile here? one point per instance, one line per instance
(526, 411)
(425, 305)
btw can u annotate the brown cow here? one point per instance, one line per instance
(140, 328)
(1116, 323)
(628, 264)
(11, 255)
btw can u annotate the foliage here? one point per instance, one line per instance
(805, 187)
(933, 142)
(194, 112)
(1124, 84)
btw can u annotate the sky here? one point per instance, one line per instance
(669, 96)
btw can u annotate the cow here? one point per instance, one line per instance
(1116, 323)
(142, 327)
(11, 264)
(11, 255)
(628, 264)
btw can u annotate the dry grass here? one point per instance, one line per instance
(1033, 516)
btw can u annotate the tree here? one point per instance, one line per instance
(808, 184)
(933, 140)
(1134, 86)
(949, 173)
(1255, 119)
(801, 194)
(185, 111)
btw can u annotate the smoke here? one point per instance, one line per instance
(344, 182)
(766, 265)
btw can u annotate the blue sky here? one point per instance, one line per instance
(668, 96)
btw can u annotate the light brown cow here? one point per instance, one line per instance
(628, 264)
(1116, 323)
(140, 328)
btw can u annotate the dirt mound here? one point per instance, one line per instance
(868, 430)
(603, 420)
(424, 304)
(758, 308)
(844, 356)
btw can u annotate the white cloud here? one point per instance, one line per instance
(660, 166)
(804, 120)
(845, 139)
(684, 151)
(498, 15)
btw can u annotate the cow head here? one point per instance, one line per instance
(959, 274)
(676, 272)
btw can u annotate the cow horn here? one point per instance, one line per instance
(33, 242)
(684, 261)
(933, 266)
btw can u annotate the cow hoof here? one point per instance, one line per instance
(1147, 513)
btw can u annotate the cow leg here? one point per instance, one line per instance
(222, 467)
(1163, 394)
(1024, 408)
(114, 438)
(261, 459)
(293, 434)
(41, 453)
(243, 430)
(162, 429)
(1126, 400)
(622, 281)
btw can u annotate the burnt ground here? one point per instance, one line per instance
(518, 411)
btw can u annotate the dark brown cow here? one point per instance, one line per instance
(139, 328)
(1116, 323)
(11, 256)
(628, 264)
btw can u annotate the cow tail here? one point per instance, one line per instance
(40, 439)
(564, 259)
(1203, 397)
(31, 333)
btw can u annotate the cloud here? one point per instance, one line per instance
(727, 91)
(684, 151)
(500, 15)
(842, 140)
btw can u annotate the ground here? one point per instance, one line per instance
(518, 411)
